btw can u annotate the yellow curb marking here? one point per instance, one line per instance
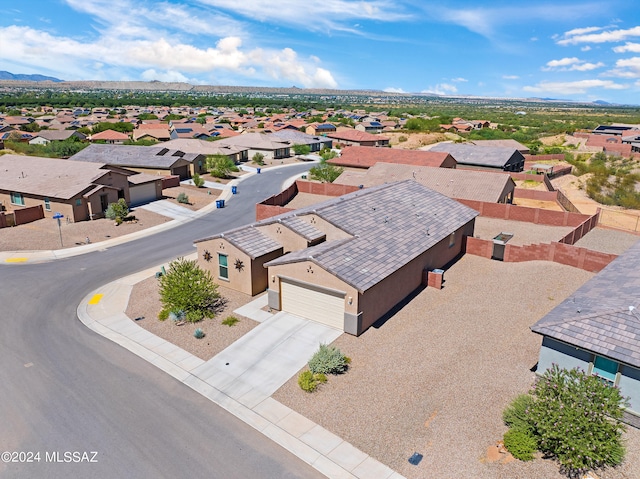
(16, 260)
(96, 298)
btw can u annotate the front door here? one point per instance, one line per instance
(104, 203)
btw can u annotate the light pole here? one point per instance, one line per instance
(58, 216)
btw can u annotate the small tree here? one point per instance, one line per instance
(220, 165)
(186, 287)
(325, 172)
(117, 211)
(258, 159)
(301, 149)
(198, 181)
(576, 418)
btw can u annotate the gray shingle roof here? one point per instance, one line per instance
(134, 156)
(391, 224)
(603, 315)
(251, 241)
(495, 157)
(304, 229)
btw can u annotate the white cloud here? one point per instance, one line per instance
(581, 31)
(72, 58)
(459, 80)
(166, 76)
(394, 90)
(571, 64)
(573, 87)
(571, 38)
(510, 77)
(626, 68)
(627, 47)
(441, 89)
(586, 48)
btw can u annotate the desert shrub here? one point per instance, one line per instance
(220, 165)
(576, 418)
(198, 180)
(328, 360)
(301, 149)
(198, 333)
(307, 381)
(325, 172)
(163, 315)
(516, 414)
(258, 159)
(176, 316)
(520, 443)
(321, 378)
(230, 321)
(188, 288)
(183, 198)
(117, 210)
(402, 139)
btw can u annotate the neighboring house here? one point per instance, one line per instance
(483, 157)
(503, 144)
(189, 131)
(615, 129)
(345, 262)
(359, 157)
(296, 137)
(153, 132)
(45, 137)
(144, 188)
(111, 137)
(358, 138)
(206, 148)
(78, 190)
(485, 186)
(154, 160)
(272, 147)
(320, 128)
(373, 127)
(16, 135)
(598, 329)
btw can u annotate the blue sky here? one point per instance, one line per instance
(558, 49)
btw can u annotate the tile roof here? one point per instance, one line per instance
(603, 315)
(133, 156)
(257, 141)
(57, 135)
(304, 229)
(201, 147)
(478, 155)
(391, 225)
(366, 157)
(50, 177)
(297, 137)
(507, 143)
(454, 183)
(356, 135)
(249, 240)
(110, 135)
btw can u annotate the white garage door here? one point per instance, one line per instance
(317, 304)
(143, 193)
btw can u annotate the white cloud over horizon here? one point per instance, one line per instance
(573, 87)
(571, 64)
(585, 35)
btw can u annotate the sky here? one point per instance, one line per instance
(575, 50)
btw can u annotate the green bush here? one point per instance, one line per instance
(301, 149)
(163, 315)
(230, 321)
(198, 180)
(520, 443)
(188, 288)
(576, 418)
(258, 159)
(198, 333)
(176, 316)
(183, 198)
(516, 414)
(307, 381)
(117, 210)
(220, 165)
(328, 360)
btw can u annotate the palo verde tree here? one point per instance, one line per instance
(220, 165)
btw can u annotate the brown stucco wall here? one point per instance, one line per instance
(252, 279)
(289, 240)
(57, 205)
(332, 232)
(117, 180)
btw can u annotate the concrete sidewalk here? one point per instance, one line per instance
(241, 378)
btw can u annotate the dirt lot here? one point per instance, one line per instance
(414, 140)
(435, 378)
(144, 304)
(198, 197)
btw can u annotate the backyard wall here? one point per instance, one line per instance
(522, 213)
(170, 181)
(535, 194)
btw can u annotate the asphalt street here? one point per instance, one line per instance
(65, 389)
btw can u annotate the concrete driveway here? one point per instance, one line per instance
(168, 209)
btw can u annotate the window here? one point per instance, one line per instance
(605, 368)
(452, 240)
(17, 199)
(79, 202)
(223, 266)
(47, 204)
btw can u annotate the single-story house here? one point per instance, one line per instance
(362, 157)
(508, 143)
(597, 329)
(206, 148)
(111, 137)
(345, 262)
(144, 188)
(370, 127)
(358, 138)
(44, 137)
(152, 132)
(475, 185)
(272, 147)
(618, 129)
(154, 160)
(320, 128)
(78, 190)
(296, 137)
(483, 157)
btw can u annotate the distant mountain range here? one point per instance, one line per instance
(21, 76)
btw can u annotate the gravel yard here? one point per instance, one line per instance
(302, 200)
(435, 378)
(144, 303)
(607, 240)
(523, 232)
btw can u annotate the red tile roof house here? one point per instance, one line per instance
(597, 329)
(358, 138)
(359, 157)
(111, 137)
(345, 262)
(78, 190)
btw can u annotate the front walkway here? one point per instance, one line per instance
(168, 209)
(242, 378)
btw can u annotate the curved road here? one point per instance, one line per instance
(64, 388)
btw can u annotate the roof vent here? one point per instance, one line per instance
(631, 308)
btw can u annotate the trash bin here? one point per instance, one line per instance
(234, 190)
(304, 177)
(218, 204)
(258, 170)
(221, 203)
